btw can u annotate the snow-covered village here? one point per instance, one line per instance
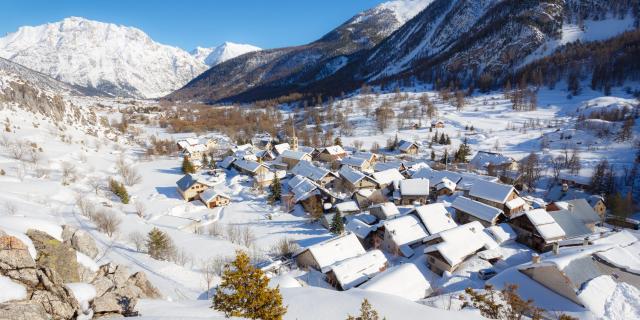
(423, 160)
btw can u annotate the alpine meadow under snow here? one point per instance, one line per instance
(444, 159)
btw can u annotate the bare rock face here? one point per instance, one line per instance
(56, 255)
(80, 240)
(22, 310)
(139, 279)
(56, 299)
(16, 262)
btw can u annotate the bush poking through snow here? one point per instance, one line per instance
(505, 304)
(119, 190)
(366, 312)
(107, 222)
(285, 247)
(244, 292)
(138, 240)
(215, 230)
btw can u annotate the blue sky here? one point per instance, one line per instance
(189, 23)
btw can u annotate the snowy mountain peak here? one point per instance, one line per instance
(404, 10)
(228, 50)
(120, 60)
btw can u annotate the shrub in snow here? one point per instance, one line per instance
(366, 312)
(107, 222)
(119, 190)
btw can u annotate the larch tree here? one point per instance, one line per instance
(244, 292)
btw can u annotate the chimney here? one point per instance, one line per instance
(535, 258)
(565, 187)
(556, 248)
(570, 206)
(585, 241)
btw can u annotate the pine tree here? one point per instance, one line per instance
(276, 190)
(433, 155)
(244, 292)
(445, 156)
(337, 225)
(119, 190)
(447, 141)
(187, 166)
(463, 152)
(205, 160)
(366, 312)
(435, 138)
(443, 139)
(159, 244)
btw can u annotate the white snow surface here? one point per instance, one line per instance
(10, 290)
(117, 59)
(215, 55)
(83, 292)
(404, 281)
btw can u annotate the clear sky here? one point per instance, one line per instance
(191, 23)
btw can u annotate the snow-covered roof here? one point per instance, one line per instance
(296, 155)
(461, 242)
(388, 209)
(190, 179)
(184, 143)
(575, 178)
(307, 169)
(350, 174)
(301, 187)
(581, 209)
(354, 271)
(405, 230)
(248, 165)
(226, 162)
(501, 233)
(280, 148)
(196, 148)
(336, 249)
(347, 206)
(354, 162)
(496, 192)
(210, 194)
(359, 228)
(404, 280)
(445, 183)
(388, 176)
(545, 224)
(383, 166)
(414, 187)
(404, 145)
(477, 209)
(570, 223)
(483, 158)
(435, 175)
(334, 150)
(435, 218)
(515, 203)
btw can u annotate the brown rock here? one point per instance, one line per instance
(56, 306)
(23, 310)
(14, 254)
(139, 279)
(56, 255)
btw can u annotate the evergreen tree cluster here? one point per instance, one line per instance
(441, 139)
(187, 166)
(119, 190)
(463, 152)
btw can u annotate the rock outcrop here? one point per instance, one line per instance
(22, 310)
(80, 240)
(56, 255)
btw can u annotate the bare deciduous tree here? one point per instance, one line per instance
(138, 240)
(107, 222)
(140, 209)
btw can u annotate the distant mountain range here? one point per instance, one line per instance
(228, 50)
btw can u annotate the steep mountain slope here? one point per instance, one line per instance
(120, 60)
(291, 64)
(226, 51)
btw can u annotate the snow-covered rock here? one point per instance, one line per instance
(226, 51)
(119, 60)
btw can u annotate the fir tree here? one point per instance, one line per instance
(445, 156)
(366, 312)
(447, 141)
(205, 160)
(337, 141)
(159, 244)
(463, 152)
(187, 166)
(244, 292)
(433, 155)
(435, 138)
(337, 225)
(276, 190)
(119, 190)
(443, 139)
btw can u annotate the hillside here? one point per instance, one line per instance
(119, 60)
(291, 64)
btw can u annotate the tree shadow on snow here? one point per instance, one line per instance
(176, 171)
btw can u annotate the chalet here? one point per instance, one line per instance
(404, 280)
(195, 151)
(444, 187)
(368, 197)
(251, 168)
(291, 157)
(388, 179)
(262, 141)
(575, 181)
(353, 180)
(597, 203)
(384, 211)
(331, 154)
(278, 149)
(576, 217)
(536, 229)
(501, 196)
(184, 143)
(456, 245)
(191, 186)
(316, 174)
(364, 230)
(212, 198)
(266, 179)
(435, 218)
(322, 256)
(413, 191)
(347, 208)
(354, 271)
(265, 155)
(240, 150)
(360, 164)
(468, 210)
(310, 195)
(369, 156)
(397, 165)
(408, 147)
(497, 161)
(437, 124)
(402, 235)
